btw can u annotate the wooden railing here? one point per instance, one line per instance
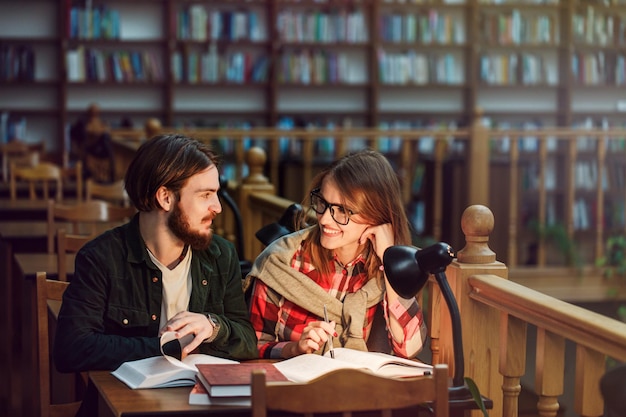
(467, 166)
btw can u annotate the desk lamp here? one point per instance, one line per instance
(408, 269)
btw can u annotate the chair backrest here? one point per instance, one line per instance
(74, 173)
(44, 173)
(349, 390)
(114, 192)
(87, 218)
(20, 153)
(49, 297)
(68, 244)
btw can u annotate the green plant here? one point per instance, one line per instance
(476, 395)
(614, 260)
(614, 268)
(556, 235)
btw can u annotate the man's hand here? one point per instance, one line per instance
(187, 323)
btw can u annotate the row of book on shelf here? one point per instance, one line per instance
(211, 67)
(598, 26)
(424, 27)
(341, 25)
(215, 380)
(11, 127)
(122, 66)
(17, 63)
(199, 23)
(517, 68)
(93, 22)
(501, 142)
(599, 68)
(584, 211)
(516, 28)
(312, 66)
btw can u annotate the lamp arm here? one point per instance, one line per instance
(457, 336)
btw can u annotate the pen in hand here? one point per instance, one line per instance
(330, 336)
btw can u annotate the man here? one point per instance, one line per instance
(162, 271)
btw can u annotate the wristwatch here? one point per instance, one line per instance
(216, 327)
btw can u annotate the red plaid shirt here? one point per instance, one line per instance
(277, 320)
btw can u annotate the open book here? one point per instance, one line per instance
(165, 370)
(304, 368)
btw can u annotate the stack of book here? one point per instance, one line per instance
(228, 384)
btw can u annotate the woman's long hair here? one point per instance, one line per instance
(369, 186)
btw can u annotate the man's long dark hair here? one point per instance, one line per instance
(165, 160)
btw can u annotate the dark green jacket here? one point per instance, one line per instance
(111, 309)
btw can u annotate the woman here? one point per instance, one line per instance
(336, 265)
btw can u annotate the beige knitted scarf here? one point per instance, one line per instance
(273, 267)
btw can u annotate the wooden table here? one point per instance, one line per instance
(31, 263)
(115, 399)
(25, 236)
(22, 209)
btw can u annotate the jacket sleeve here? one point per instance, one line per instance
(81, 342)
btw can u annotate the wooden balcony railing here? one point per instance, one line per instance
(531, 179)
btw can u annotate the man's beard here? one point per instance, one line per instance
(179, 225)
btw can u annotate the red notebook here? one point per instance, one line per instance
(233, 380)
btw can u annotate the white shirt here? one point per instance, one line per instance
(176, 287)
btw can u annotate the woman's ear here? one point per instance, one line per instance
(165, 198)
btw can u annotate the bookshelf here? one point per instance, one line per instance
(362, 63)
(365, 63)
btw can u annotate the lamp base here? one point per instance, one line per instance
(460, 393)
(461, 400)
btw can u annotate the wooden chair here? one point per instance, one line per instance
(87, 218)
(74, 173)
(68, 244)
(21, 154)
(44, 173)
(347, 391)
(112, 192)
(49, 298)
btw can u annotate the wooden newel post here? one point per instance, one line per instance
(480, 324)
(255, 182)
(478, 161)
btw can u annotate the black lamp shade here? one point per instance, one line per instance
(408, 268)
(403, 272)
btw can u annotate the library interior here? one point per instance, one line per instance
(504, 120)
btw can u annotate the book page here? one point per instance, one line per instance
(382, 363)
(304, 368)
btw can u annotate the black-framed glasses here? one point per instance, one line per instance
(340, 214)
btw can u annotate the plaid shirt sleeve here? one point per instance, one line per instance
(409, 315)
